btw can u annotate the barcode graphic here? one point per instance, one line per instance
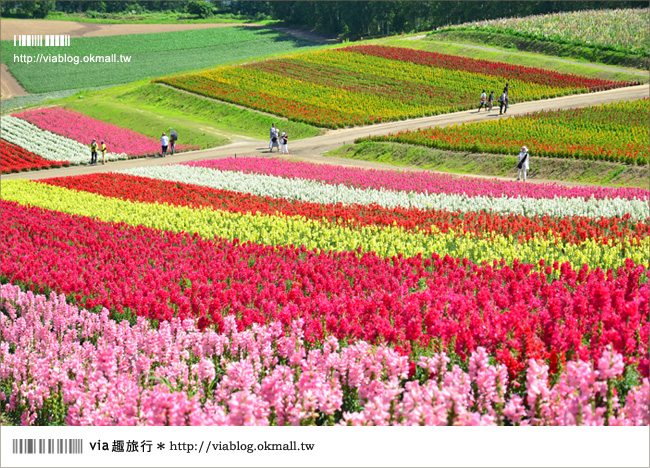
(49, 446)
(49, 40)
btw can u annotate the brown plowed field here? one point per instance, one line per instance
(75, 29)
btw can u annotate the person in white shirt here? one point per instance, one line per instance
(284, 141)
(273, 137)
(164, 143)
(483, 101)
(523, 165)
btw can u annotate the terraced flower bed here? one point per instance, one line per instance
(611, 132)
(368, 84)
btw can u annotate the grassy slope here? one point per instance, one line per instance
(589, 172)
(530, 44)
(151, 55)
(151, 109)
(546, 62)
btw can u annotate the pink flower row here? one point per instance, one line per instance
(421, 182)
(83, 129)
(62, 365)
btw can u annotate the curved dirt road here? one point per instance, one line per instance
(9, 86)
(312, 149)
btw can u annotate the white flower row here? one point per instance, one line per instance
(316, 192)
(46, 144)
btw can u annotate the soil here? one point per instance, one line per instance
(76, 29)
(313, 149)
(9, 86)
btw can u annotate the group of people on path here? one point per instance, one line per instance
(166, 143)
(488, 102)
(523, 158)
(94, 147)
(279, 141)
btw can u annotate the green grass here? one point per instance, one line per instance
(545, 46)
(151, 55)
(552, 169)
(152, 108)
(519, 58)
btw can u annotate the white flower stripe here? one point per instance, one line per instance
(316, 192)
(46, 144)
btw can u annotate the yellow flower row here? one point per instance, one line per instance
(283, 230)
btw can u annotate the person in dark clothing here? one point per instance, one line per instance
(173, 137)
(93, 152)
(491, 101)
(502, 103)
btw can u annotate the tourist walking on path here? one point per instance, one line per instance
(93, 152)
(491, 101)
(102, 148)
(284, 141)
(275, 141)
(173, 137)
(164, 143)
(273, 137)
(483, 101)
(523, 165)
(502, 103)
(507, 99)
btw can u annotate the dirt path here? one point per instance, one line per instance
(9, 86)
(312, 149)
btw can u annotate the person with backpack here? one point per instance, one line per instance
(93, 152)
(483, 101)
(523, 166)
(164, 143)
(491, 100)
(275, 140)
(284, 141)
(102, 148)
(173, 137)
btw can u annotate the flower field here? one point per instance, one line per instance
(610, 132)
(618, 29)
(15, 159)
(263, 292)
(268, 376)
(78, 127)
(48, 145)
(368, 84)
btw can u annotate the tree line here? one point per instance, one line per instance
(348, 19)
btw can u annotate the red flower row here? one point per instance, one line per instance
(16, 159)
(505, 70)
(572, 229)
(414, 303)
